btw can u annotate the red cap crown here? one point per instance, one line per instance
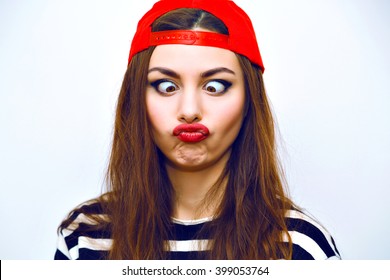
(241, 39)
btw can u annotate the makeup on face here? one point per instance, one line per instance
(191, 133)
(168, 85)
(195, 100)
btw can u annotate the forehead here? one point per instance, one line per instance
(195, 58)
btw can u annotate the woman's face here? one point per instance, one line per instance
(195, 101)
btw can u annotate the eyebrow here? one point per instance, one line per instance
(214, 71)
(206, 74)
(165, 71)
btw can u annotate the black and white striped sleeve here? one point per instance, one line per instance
(310, 239)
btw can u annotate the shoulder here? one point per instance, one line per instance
(310, 239)
(84, 234)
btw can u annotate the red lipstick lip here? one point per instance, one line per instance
(191, 133)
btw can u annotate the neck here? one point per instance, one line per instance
(197, 192)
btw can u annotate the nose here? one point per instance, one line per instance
(190, 107)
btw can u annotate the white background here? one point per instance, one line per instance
(327, 74)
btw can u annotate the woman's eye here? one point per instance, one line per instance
(164, 86)
(217, 86)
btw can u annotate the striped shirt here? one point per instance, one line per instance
(310, 240)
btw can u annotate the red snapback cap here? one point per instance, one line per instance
(241, 38)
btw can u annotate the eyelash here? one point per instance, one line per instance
(157, 83)
(226, 85)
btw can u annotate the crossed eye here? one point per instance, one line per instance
(212, 87)
(215, 87)
(166, 87)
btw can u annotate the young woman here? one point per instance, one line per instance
(193, 172)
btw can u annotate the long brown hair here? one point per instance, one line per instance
(250, 220)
